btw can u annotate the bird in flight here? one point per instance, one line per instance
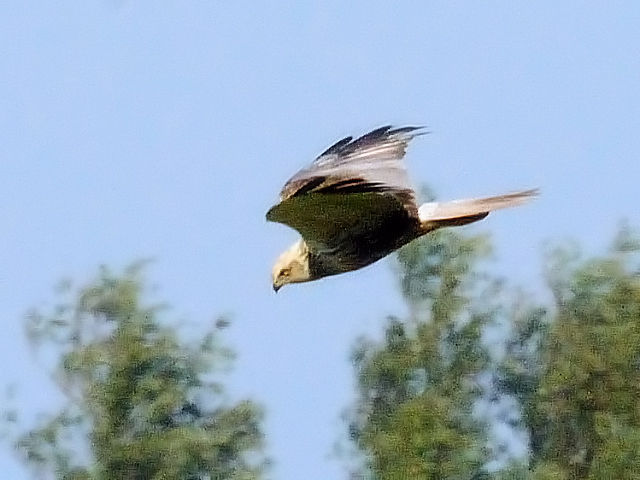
(354, 205)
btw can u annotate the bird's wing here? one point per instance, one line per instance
(373, 160)
(328, 221)
(351, 183)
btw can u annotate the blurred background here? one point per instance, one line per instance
(136, 129)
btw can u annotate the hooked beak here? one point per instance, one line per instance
(276, 287)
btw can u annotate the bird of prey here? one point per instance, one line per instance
(354, 205)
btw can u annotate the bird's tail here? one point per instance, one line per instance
(435, 215)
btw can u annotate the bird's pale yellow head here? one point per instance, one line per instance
(292, 266)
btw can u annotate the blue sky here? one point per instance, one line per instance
(136, 128)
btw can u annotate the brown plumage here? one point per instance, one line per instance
(354, 205)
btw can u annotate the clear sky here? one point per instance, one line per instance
(141, 128)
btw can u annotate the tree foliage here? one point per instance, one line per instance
(417, 387)
(572, 366)
(138, 402)
(575, 368)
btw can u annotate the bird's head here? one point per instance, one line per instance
(292, 266)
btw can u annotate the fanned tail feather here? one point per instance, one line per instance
(435, 215)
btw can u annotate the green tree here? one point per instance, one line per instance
(139, 403)
(576, 369)
(417, 387)
(521, 370)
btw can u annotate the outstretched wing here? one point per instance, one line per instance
(373, 160)
(352, 186)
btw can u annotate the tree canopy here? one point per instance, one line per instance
(139, 403)
(575, 366)
(572, 366)
(417, 387)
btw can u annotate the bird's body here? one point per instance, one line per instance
(354, 205)
(364, 246)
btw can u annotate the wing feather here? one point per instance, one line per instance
(353, 185)
(327, 220)
(374, 159)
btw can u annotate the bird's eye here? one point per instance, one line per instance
(285, 272)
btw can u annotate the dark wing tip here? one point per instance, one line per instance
(409, 129)
(336, 147)
(270, 216)
(371, 137)
(348, 145)
(386, 132)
